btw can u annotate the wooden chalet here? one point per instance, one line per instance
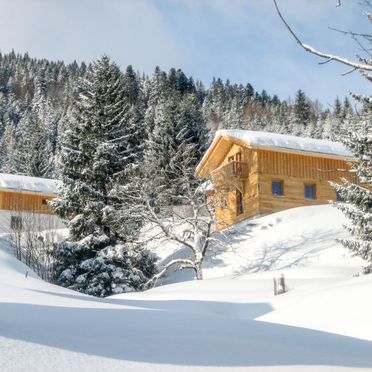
(254, 173)
(26, 194)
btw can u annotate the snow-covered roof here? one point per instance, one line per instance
(32, 184)
(276, 142)
(287, 142)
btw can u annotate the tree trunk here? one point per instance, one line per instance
(198, 271)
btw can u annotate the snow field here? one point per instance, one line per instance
(230, 321)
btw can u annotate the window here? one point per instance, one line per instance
(238, 164)
(310, 191)
(44, 202)
(277, 188)
(16, 223)
(239, 202)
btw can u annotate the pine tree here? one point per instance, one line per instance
(33, 149)
(191, 142)
(177, 142)
(301, 113)
(358, 139)
(347, 110)
(8, 151)
(99, 257)
(357, 205)
(337, 108)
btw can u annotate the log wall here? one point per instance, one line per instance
(24, 201)
(226, 212)
(293, 169)
(296, 170)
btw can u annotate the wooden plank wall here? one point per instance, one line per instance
(302, 166)
(23, 201)
(295, 170)
(227, 215)
(264, 166)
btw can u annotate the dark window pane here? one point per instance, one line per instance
(239, 203)
(277, 188)
(310, 191)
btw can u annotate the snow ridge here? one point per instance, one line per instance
(284, 141)
(26, 183)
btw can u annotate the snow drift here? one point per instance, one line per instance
(219, 324)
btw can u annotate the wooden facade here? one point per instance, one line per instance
(18, 200)
(250, 180)
(27, 194)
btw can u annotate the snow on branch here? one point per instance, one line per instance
(327, 56)
(183, 263)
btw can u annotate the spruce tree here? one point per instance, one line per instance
(100, 256)
(33, 153)
(301, 113)
(177, 143)
(357, 205)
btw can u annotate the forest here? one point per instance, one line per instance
(125, 147)
(36, 97)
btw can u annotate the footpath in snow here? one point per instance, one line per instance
(231, 321)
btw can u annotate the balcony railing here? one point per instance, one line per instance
(237, 170)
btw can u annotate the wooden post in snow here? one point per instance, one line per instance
(279, 285)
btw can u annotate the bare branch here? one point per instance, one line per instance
(351, 33)
(324, 62)
(349, 71)
(182, 262)
(329, 57)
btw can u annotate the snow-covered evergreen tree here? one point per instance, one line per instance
(99, 257)
(8, 150)
(33, 152)
(357, 196)
(301, 114)
(357, 205)
(177, 141)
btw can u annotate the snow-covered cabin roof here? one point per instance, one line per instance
(279, 142)
(30, 184)
(284, 141)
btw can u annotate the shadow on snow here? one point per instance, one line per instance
(178, 332)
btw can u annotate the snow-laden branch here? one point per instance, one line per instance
(327, 56)
(184, 263)
(166, 230)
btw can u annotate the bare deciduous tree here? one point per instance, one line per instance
(34, 237)
(363, 64)
(189, 221)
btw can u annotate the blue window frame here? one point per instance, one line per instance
(277, 188)
(310, 191)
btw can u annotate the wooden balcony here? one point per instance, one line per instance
(232, 171)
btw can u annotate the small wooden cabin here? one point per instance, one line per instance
(256, 173)
(26, 194)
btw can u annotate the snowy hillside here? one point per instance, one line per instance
(299, 242)
(230, 321)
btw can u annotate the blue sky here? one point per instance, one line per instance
(240, 40)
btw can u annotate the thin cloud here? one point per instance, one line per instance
(242, 40)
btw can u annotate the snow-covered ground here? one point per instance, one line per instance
(230, 321)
